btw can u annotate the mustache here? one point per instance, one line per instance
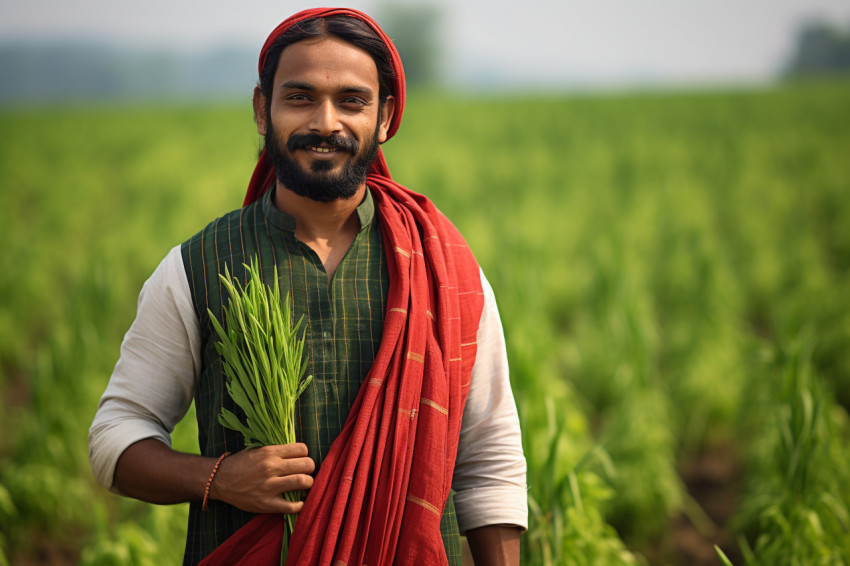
(334, 141)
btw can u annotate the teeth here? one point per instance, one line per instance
(321, 149)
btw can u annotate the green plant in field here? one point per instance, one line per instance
(7, 510)
(566, 525)
(263, 362)
(142, 535)
(648, 490)
(722, 556)
(130, 544)
(797, 510)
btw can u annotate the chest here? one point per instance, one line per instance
(342, 321)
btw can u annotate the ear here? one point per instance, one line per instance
(386, 117)
(260, 116)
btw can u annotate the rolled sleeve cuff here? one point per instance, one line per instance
(496, 505)
(107, 443)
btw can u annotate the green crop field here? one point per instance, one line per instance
(673, 272)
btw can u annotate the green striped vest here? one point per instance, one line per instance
(343, 321)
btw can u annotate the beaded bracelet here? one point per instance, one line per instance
(209, 481)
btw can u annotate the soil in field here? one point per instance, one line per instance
(714, 480)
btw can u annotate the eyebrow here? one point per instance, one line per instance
(298, 85)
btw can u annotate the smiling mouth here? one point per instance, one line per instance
(322, 149)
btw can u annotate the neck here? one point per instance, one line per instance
(327, 227)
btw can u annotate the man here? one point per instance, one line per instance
(410, 414)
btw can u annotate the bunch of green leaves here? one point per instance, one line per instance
(263, 361)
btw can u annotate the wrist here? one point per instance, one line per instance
(209, 484)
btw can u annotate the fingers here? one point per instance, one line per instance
(280, 505)
(275, 503)
(295, 450)
(293, 482)
(255, 479)
(281, 460)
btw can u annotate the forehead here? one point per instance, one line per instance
(327, 61)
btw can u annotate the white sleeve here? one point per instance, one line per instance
(489, 475)
(152, 385)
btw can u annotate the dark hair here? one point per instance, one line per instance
(347, 28)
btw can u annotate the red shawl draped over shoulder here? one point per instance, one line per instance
(379, 495)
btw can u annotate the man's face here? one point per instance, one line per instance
(323, 124)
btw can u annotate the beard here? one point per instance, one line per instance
(318, 182)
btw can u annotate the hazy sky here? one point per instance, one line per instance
(535, 42)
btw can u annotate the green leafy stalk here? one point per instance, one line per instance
(263, 363)
(722, 556)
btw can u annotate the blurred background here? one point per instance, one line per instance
(658, 192)
(97, 49)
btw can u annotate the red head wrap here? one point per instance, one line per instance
(264, 174)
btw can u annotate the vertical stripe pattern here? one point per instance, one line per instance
(343, 324)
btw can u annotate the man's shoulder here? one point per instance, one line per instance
(421, 207)
(224, 241)
(225, 225)
(410, 199)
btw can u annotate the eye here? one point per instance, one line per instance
(298, 97)
(353, 101)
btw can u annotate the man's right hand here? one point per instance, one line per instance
(254, 479)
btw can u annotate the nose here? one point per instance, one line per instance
(325, 119)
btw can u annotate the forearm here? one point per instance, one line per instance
(151, 471)
(252, 480)
(495, 545)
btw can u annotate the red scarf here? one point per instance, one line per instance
(379, 495)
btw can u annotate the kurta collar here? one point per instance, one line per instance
(283, 221)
